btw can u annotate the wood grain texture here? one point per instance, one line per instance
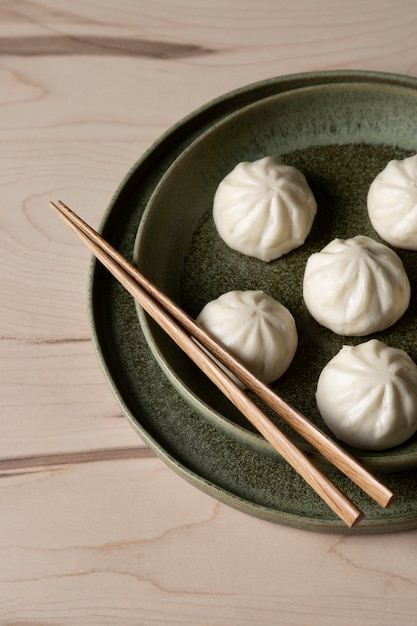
(94, 528)
(97, 45)
(150, 549)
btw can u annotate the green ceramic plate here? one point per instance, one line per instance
(340, 128)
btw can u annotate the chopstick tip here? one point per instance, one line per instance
(356, 520)
(390, 500)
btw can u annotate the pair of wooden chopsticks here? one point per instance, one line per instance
(182, 329)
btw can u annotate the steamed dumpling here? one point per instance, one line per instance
(256, 328)
(264, 208)
(392, 203)
(367, 395)
(356, 286)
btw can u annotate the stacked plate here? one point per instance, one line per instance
(340, 129)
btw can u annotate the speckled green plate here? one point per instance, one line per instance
(340, 128)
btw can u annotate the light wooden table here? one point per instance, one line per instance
(94, 529)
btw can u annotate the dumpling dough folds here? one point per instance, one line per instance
(264, 208)
(367, 395)
(356, 286)
(257, 329)
(392, 203)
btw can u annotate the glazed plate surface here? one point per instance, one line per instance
(340, 129)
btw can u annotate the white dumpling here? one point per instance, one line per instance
(356, 286)
(256, 328)
(392, 203)
(367, 395)
(264, 208)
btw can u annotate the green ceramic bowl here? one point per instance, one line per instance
(340, 134)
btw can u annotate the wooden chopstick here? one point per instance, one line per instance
(148, 295)
(324, 444)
